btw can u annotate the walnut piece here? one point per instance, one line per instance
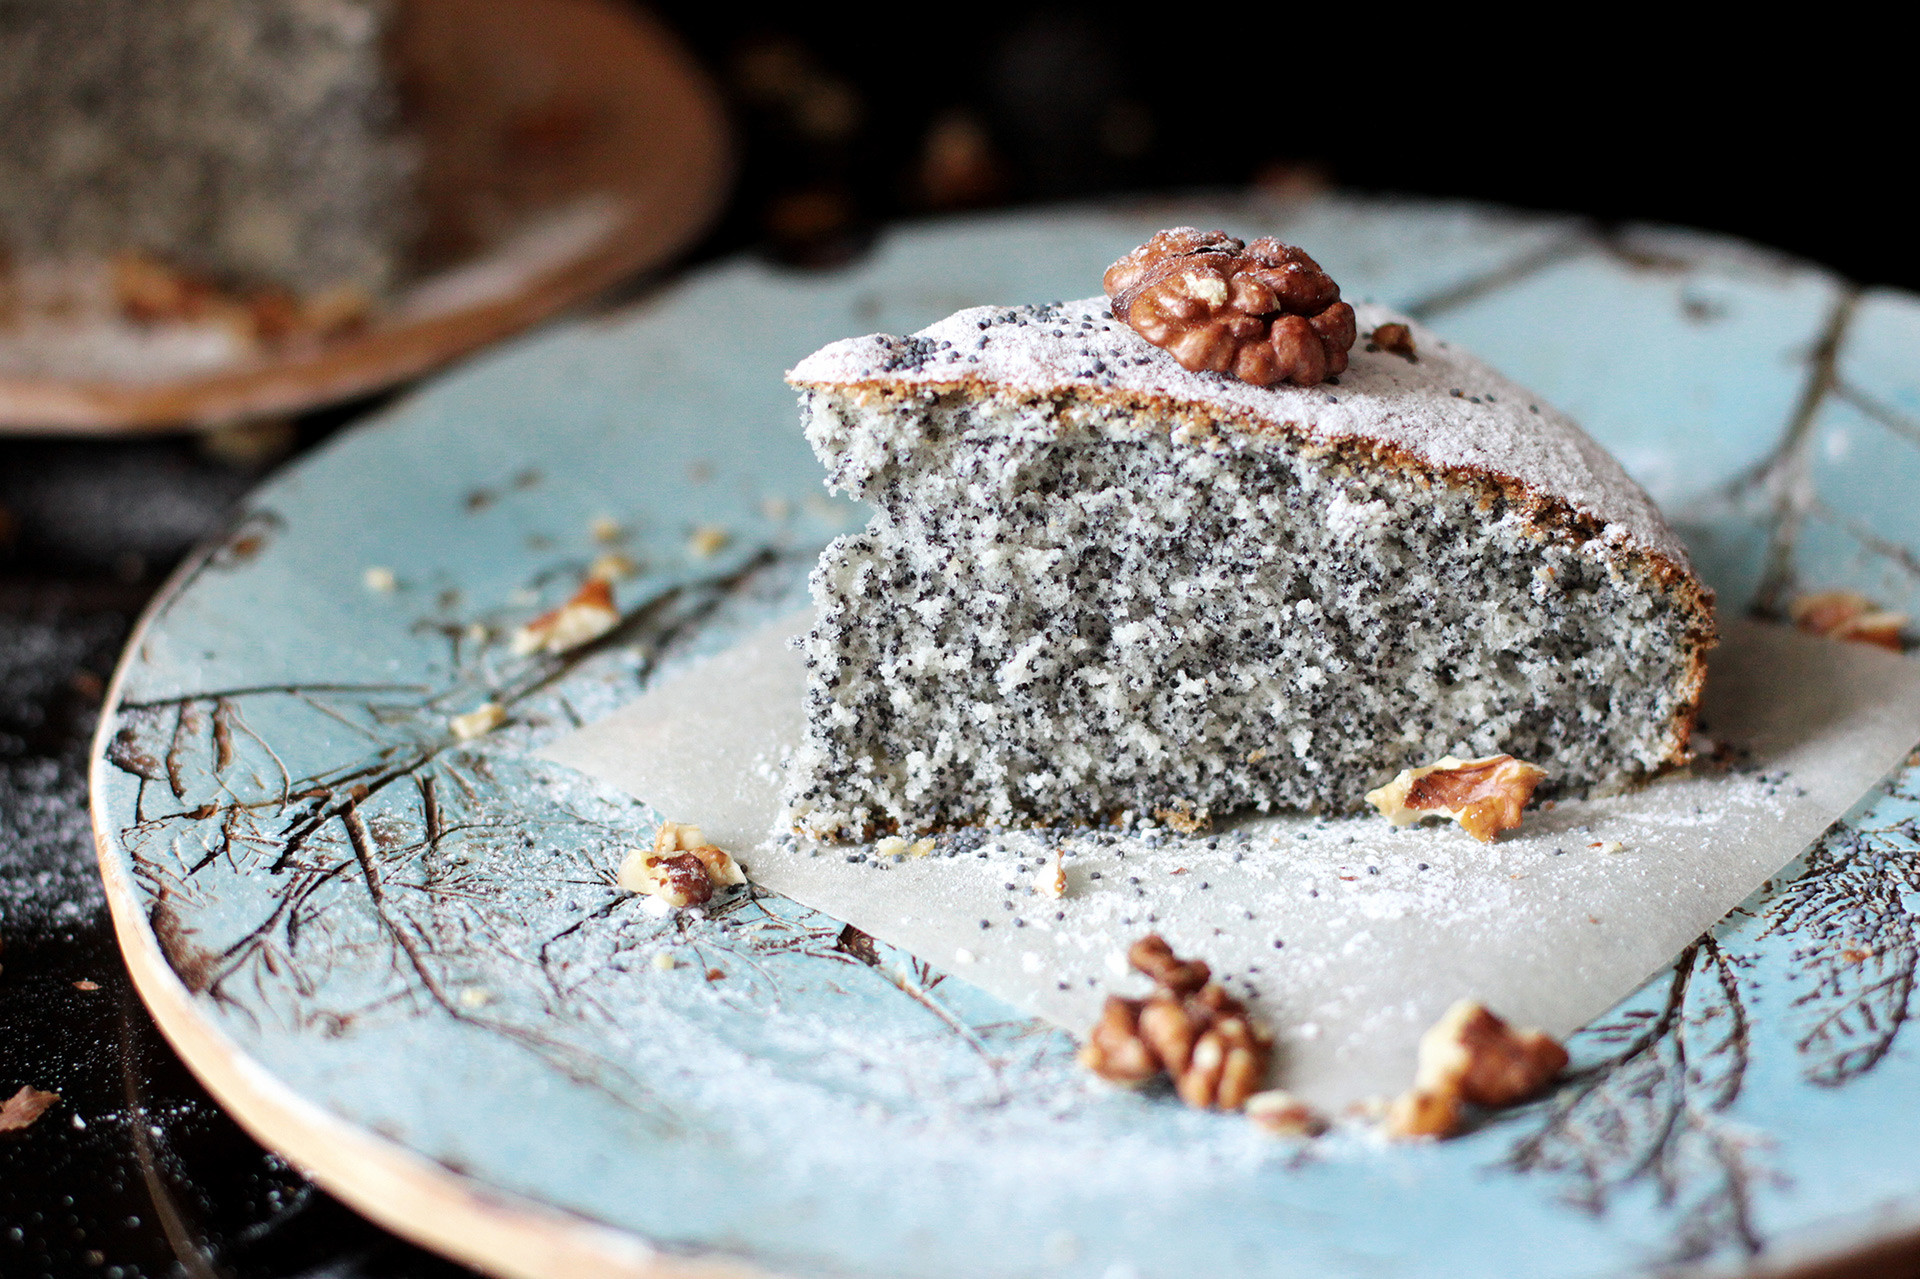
(1396, 339)
(1189, 1027)
(1114, 1049)
(478, 722)
(1485, 796)
(681, 869)
(21, 1109)
(1472, 1057)
(1264, 312)
(1486, 1060)
(1281, 1113)
(581, 620)
(1848, 615)
(1418, 1113)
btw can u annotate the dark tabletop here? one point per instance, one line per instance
(847, 125)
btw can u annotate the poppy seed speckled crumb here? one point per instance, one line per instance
(1089, 592)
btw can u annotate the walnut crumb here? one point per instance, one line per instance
(1472, 1057)
(1190, 1028)
(1848, 615)
(1184, 817)
(581, 620)
(1485, 796)
(681, 869)
(478, 722)
(20, 1110)
(1396, 339)
(1281, 1113)
(1420, 1113)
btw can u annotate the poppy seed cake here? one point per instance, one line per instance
(253, 141)
(1096, 583)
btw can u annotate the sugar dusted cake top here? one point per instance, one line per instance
(1443, 409)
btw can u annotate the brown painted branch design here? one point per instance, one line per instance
(1855, 909)
(394, 882)
(1651, 1114)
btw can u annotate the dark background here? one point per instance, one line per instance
(847, 124)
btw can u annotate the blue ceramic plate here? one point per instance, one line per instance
(399, 958)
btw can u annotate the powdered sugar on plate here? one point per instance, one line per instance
(1347, 937)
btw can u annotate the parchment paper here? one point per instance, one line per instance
(1348, 937)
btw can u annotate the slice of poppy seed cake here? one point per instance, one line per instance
(1097, 583)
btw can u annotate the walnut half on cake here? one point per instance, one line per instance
(1098, 583)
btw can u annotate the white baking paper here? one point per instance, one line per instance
(1349, 937)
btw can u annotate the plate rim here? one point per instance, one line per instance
(495, 1231)
(526, 1238)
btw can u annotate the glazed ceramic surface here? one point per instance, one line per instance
(417, 937)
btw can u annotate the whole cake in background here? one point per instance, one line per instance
(251, 142)
(1230, 560)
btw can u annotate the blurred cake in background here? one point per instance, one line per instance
(255, 142)
(234, 169)
(219, 210)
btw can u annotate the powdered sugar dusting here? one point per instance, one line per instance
(1444, 407)
(1347, 937)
